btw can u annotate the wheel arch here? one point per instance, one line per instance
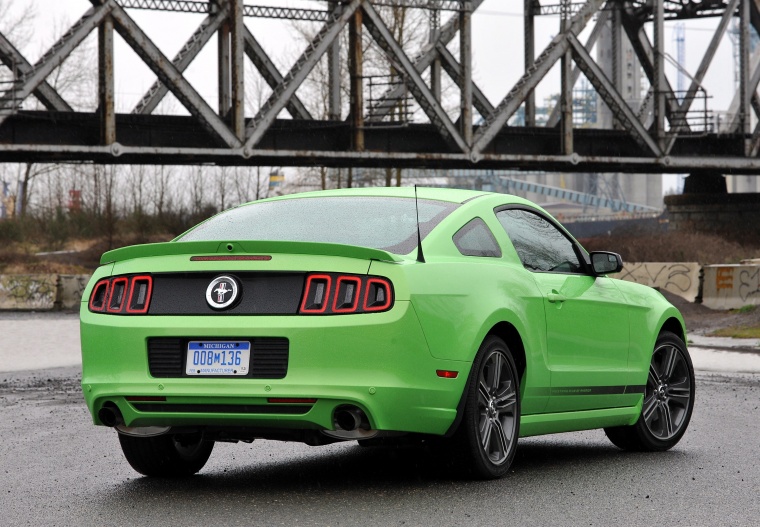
(674, 325)
(509, 334)
(511, 337)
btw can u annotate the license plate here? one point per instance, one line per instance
(218, 358)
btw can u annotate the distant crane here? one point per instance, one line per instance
(679, 36)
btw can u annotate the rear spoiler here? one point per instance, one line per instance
(246, 247)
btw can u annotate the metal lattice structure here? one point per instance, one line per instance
(655, 136)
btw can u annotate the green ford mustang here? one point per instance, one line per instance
(321, 317)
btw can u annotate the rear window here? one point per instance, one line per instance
(383, 223)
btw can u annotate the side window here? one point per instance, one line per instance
(539, 244)
(476, 239)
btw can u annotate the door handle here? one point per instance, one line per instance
(555, 297)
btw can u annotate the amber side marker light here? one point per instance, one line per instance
(447, 374)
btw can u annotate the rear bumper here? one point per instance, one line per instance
(378, 362)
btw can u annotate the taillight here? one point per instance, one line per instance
(99, 295)
(340, 294)
(139, 294)
(122, 294)
(378, 295)
(118, 294)
(347, 292)
(317, 294)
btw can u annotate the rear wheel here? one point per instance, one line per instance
(171, 455)
(668, 400)
(490, 424)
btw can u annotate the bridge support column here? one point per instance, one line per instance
(106, 83)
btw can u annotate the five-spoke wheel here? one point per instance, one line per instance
(668, 400)
(491, 420)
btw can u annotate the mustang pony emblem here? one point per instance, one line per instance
(222, 292)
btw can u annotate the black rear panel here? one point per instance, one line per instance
(269, 357)
(260, 294)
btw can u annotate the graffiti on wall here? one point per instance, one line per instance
(28, 291)
(749, 285)
(731, 286)
(681, 279)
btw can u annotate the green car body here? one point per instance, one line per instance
(581, 342)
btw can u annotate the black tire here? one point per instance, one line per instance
(668, 400)
(170, 455)
(487, 435)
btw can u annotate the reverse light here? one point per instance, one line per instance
(122, 295)
(342, 294)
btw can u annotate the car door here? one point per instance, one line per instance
(587, 322)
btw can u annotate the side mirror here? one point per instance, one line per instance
(605, 263)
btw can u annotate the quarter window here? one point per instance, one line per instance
(539, 244)
(476, 239)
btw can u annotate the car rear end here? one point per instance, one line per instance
(320, 338)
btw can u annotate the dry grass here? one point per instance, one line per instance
(737, 332)
(675, 247)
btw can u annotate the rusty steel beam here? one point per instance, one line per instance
(417, 86)
(297, 74)
(55, 56)
(170, 76)
(551, 54)
(422, 62)
(106, 90)
(45, 93)
(611, 97)
(183, 59)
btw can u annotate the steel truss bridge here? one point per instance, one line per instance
(654, 136)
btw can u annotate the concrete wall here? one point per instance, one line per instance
(731, 286)
(718, 213)
(41, 292)
(682, 279)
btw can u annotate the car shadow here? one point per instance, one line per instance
(354, 469)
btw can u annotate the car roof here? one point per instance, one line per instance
(439, 194)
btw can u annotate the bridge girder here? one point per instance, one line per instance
(654, 137)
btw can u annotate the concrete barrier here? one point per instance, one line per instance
(682, 279)
(731, 286)
(41, 292)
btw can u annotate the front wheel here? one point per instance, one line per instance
(167, 455)
(487, 434)
(668, 400)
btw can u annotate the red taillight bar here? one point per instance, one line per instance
(352, 294)
(102, 284)
(324, 296)
(122, 295)
(377, 303)
(110, 307)
(353, 302)
(134, 283)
